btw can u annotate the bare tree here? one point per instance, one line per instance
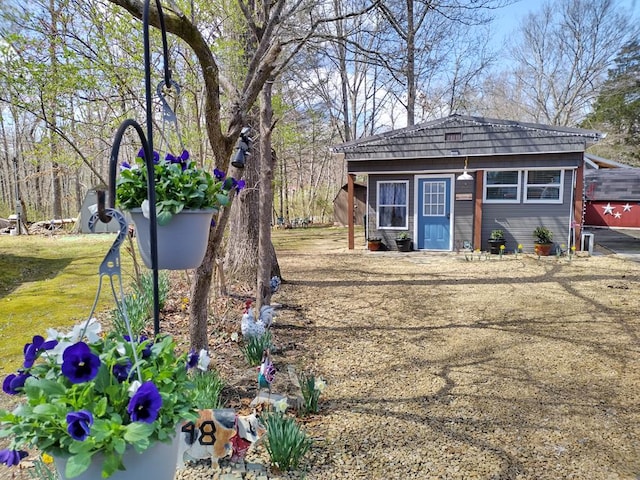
(563, 56)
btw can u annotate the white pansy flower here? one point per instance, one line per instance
(234, 337)
(145, 208)
(135, 385)
(203, 360)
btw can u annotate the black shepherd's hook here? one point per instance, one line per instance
(147, 146)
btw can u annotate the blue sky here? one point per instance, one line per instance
(509, 18)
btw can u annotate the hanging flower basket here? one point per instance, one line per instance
(182, 243)
(186, 197)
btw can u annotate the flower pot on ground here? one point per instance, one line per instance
(374, 244)
(403, 242)
(180, 187)
(543, 241)
(496, 240)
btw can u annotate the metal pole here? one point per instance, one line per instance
(18, 203)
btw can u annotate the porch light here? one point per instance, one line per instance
(465, 176)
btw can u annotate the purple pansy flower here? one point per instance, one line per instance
(192, 359)
(79, 364)
(171, 158)
(37, 345)
(156, 156)
(240, 185)
(229, 183)
(219, 174)
(146, 353)
(145, 404)
(12, 457)
(122, 371)
(124, 165)
(78, 424)
(14, 382)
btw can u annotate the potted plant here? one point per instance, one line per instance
(496, 240)
(186, 199)
(543, 240)
(374, 243)
(403, 242)
(95, 401)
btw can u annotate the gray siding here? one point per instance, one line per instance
(518, 220)
(463, 215)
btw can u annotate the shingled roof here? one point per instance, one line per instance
(613, 184)
(468, 136)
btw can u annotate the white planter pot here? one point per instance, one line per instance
(158, 462)
(182, 243)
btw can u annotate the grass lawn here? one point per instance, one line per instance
(48, 282)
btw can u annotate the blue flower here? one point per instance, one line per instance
(12, 457)
(171, 158)
(192, 359)
(79, 364)
(122, 371)
(240, 185)
(79, 424)
(229, 184)
(125, 166)
(156, 156)
(37, 345)
(145, 404)
(146, 353)
(13, 383)
(219, 174)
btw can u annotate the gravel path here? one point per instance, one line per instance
(440, 368)
(446, 369)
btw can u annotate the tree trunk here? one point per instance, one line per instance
(241, 252)
(266, 252)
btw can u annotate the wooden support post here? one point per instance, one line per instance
(350, 210)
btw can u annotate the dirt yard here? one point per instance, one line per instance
(443, 368)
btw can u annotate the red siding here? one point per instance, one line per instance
(612, 214)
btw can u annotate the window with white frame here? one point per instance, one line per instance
(543, 186)
(393, 197)
(502, 186)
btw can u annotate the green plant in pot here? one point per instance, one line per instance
(403, 242)
(186, 199)
(496, 240)
(543, 240)
(94, 401)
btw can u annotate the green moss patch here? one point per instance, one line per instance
(47, 282)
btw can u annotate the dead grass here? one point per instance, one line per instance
(440, 368)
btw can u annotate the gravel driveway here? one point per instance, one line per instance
(441, 368)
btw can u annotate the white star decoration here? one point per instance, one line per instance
(617, 215)
(608, 209)
(626, 208)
